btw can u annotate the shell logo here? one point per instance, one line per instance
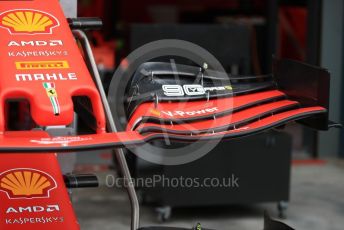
(26, 183)
(28, 21)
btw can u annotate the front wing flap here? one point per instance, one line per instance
(15, 142)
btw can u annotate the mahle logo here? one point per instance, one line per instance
(28, 21)
(26, 183)
(42, 65)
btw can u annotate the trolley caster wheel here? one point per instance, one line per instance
(282, 207)
(164, 213)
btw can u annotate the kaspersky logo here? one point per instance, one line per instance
(26, 183)
(42, 65)
(28, 21)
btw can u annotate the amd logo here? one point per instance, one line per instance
(34, 209)
(190, 90)
(35, 43)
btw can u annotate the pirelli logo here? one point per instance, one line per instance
(42, 65)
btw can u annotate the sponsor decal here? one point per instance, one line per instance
(180, 113)
(34, 209)
(64, 141)
(155, 112)
(43, 53)
(28, 21)
(42, 65)
(46, 77)
(198, 226)
(38, 43)
(52, 94)
(191, 90)
(22, 183)
(34, 220)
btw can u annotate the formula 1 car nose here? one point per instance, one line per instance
(43, 65)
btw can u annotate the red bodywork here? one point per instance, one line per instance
(41, 63)
(31, 59)
(32, 192)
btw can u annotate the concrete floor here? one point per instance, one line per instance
(317, 203)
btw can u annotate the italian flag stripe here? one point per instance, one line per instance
(55, 104)
(53, 99)
(48, 85)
